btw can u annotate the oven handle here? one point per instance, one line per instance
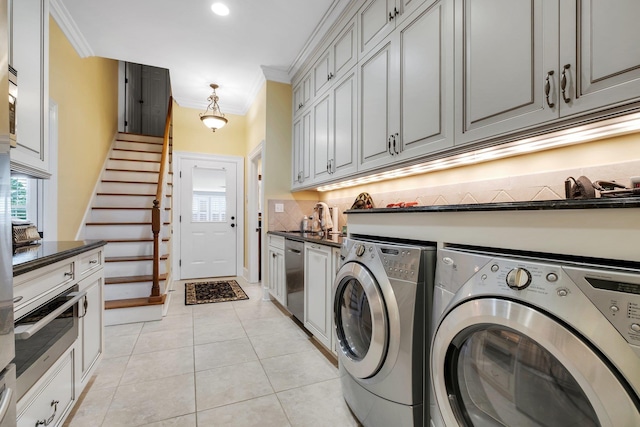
(77, 296)
(4, 403)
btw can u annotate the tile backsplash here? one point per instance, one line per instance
(530, 187)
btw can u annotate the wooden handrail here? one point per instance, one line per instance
(156, 222)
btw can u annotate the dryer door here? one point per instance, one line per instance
(496, 362)
(361, 320)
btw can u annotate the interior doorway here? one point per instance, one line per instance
(146, 96)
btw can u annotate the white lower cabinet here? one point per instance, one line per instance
(276, 273)
(337, 263)
(54, 398)
(318, 281)
(91, 330)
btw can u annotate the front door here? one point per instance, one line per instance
(208, 226)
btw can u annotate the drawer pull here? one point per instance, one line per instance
(93, 261)
(45, 423)
(68, 274)
(17, 299)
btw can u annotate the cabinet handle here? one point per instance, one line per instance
(330, 76)
(68, 274)
(547, 89)
(273, 255)
(395, 151)
(396, 12)
(85, 306)
(48, 421)
(331, 167)
(391, 16)
(93, 261)
(563, 83)
(389, 145)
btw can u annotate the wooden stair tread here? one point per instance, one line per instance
(134, 258)
(164, 239)
(135, 160)
(132, 302)
(131, 279)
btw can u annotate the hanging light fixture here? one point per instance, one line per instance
(215, 119)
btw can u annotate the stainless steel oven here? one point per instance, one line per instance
(43, 334)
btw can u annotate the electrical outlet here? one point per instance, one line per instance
(279, 207)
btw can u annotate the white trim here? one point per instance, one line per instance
(50, 220)
(178, 156)
(122, 75)
(70, 29)
(275, 74)
(254, 198)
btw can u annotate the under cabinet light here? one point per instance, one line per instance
(580, 134)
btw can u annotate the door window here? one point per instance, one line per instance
(354, 319)
(209, 197)
(499, 377)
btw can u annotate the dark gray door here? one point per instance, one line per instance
(147, 96)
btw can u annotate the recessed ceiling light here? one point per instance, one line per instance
(220, 9)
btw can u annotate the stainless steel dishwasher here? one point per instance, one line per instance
(294, 270)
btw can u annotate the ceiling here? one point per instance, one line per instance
(258, 38)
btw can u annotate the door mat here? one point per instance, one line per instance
(209, 292)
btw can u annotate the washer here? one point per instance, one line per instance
(381, 295)
(525, 340)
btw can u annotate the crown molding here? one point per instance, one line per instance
(275, 75)
(70, 29)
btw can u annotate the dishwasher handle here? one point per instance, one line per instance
(295, 251)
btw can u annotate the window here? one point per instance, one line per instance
(209, 206)
(26, 196)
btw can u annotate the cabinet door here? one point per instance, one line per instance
(276, 274)
(321, 134)
(322, 73)
(30, 41)
(92, 322)
(301, 157)
(504, 50)
(344, 136)
(425, 81)
(302, 94)
(376, 21)
(344, 51)
(600, 53)
(378, 114)
(318, 281)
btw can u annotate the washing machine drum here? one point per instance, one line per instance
(361, 321)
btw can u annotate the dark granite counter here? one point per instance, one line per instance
(32, 257)
(334, 240)
(601, 203)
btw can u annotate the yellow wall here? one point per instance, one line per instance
(607, 151)
(189, 134)
(257, 119)
(86, 91)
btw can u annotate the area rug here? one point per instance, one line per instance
(209, 292)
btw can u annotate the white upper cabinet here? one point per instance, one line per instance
(406, 90)
(301, 157)
(599, 54)
(302, 94)
(378, 18)
(521, 63)
(336, 60)
(335, 126)
(30, 47)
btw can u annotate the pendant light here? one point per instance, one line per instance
(215, 119)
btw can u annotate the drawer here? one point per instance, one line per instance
(276, 241)
(41, 285)
(89, 262)
(53, 399)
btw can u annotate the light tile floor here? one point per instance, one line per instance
(240, 363)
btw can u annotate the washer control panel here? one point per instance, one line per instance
(400, 262)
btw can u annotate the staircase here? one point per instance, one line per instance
(121, 214)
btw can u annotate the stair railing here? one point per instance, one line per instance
(156, 217)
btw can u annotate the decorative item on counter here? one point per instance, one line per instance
(582, 188)
(402, 205)
(324, 216)
(304, 225)
(24, 233)
(635, 182)
(363, 201)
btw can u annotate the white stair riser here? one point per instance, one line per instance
(133, 165)
(120, 215)
(127, 188)
(136, 155)
(127, 290)
(140, 146)
(142, 138)
(131, 268)
(124, 201)
(114, 249)
(121, 316)
(150, 177)
(119, 231)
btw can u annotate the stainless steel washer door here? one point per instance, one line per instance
(496, 362)
(361, 321)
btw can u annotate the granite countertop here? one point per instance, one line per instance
(334, 240)
(600, 203)
(32, 257)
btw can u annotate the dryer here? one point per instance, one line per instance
(522, 339)
(382, 301)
